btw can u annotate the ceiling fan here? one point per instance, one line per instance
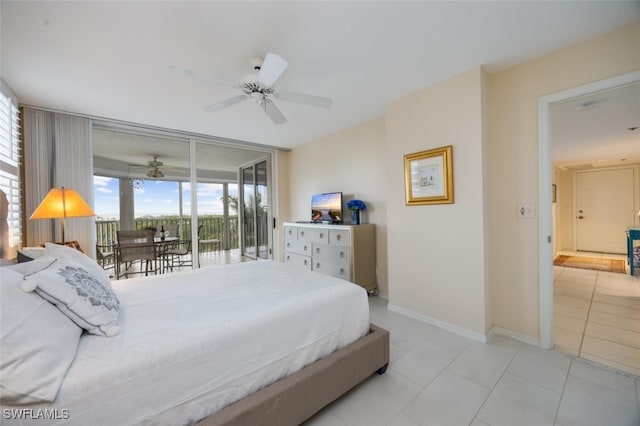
(259, 88)
(154, 167)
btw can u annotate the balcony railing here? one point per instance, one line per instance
(212, 229)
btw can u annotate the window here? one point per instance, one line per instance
(10, 216)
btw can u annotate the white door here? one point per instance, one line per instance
(604, 209)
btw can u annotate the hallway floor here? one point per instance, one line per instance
(597, 316)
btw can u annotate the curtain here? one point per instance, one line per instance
(57, 152)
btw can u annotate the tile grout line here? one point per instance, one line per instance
(475, 416)
(564, 387)
(595, 284)
(428, 384)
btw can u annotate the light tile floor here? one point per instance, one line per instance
(597, 316)
(440, 378)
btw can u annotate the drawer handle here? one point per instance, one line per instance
(288, 257)
(302, 233)
(321, 235)
(338, 237)
(341, 254)
(305, 262)
(317, 249)
(305, 248)
(317, 265)
(341, 271)
(288, 244)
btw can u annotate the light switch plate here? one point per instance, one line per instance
(526, 211)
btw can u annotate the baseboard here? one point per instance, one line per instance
(444, 325)
(514, 335)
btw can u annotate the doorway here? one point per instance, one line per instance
(545, 193)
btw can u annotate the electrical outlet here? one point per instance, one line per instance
(526, 211)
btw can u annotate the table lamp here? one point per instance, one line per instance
(61, 203)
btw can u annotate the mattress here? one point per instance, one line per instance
(194, 342)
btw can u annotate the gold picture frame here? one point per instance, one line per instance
(428, 177)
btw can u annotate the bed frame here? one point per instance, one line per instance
(297, 397)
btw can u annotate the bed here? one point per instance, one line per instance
(254, 343)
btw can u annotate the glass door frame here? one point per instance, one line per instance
(269, 201)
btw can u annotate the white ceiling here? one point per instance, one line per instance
(114, 59)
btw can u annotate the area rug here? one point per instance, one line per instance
(595, 263)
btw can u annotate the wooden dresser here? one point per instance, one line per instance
(343, 251)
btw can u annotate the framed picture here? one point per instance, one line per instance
(428, 177)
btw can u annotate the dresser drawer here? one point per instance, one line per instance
(298, 259)
(339, 237)
(290, 232)
(338, 253)
(334, 268)
(296, 246)
(313, 235)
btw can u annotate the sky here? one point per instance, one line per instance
(157, 198)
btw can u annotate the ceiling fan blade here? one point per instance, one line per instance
(317, 101)
(202, 76)
(226, 103)
(271, 69)
(273, 112)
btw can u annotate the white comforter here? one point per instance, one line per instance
(194, 342)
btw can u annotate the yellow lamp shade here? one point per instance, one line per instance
(62, 203)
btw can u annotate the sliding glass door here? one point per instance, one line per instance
(255, 209)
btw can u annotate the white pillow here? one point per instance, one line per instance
(31, 253)
(37, 344)
(35, 265)
(78, 294)
(85, 261)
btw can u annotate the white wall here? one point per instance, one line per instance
(351, 161)
(436, 252)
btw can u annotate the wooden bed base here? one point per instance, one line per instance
(295, 398)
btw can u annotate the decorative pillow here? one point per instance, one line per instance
(85, 261)
(33, 266)
(27, 254)
(37, 344)
(78, 294)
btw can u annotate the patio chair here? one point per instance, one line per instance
(171, 228)
(178, 254)
(136, 246)
(106, 256)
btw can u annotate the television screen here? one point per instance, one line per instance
(326, 207)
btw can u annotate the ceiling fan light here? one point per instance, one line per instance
(257, 97)
(155, 173)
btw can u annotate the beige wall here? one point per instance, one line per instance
(282, 210)
(513, 152)
(436, 252)
(351, 161)
(471, 264)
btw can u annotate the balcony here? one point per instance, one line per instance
(213, 228)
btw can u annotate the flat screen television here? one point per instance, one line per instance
(326, 207)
